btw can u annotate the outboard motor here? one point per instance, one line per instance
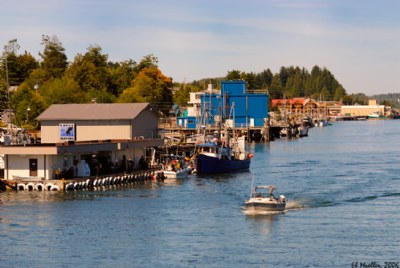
(282, 198)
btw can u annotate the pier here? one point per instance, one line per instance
(178, 135)
(349, 118)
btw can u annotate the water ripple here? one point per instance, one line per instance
(343, 198)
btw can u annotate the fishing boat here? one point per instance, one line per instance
(214, 158)
(224, 151)
(262, 198)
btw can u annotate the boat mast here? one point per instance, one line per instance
(252, 184)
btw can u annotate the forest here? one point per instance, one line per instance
(28, 86)
(36, 84)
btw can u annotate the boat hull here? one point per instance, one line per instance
(260, 206)
(180, 174)
(213, 165)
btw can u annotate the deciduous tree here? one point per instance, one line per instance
(150, 85)
(63, 90)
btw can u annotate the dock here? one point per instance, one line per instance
(75, 184)
(177, 135)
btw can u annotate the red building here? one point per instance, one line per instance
(305, 106)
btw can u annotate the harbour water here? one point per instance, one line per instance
(343, 183)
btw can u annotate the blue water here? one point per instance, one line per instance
(343, 183)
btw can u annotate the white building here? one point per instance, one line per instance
(106, 135)
(194, 103)
(363, 110)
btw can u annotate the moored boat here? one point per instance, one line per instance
(223, 152)
(374, 115)
(396, 116)
(263, 199)
(174, 174)
(303, 130)
(212, 158)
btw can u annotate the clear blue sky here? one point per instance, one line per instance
(357, 40)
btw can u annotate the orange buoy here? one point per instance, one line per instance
(250, 155)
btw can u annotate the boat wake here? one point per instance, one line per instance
(302, 203)
(294, 205)
(371, 197)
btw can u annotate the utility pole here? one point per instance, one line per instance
(11, 47)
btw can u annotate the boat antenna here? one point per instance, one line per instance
(252, 182)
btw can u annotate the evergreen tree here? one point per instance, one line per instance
(283, 75)
(233, 75)
(340, 93)
(251, 80)
(54, 59)
(264, 79)
(276, 90)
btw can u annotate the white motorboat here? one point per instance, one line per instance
(174, 174)
(263, 199)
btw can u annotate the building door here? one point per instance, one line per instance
(33, 167)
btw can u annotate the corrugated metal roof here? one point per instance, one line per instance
(93, 111)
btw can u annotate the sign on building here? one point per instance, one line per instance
(67, 132)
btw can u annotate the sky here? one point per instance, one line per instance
(358, 41)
